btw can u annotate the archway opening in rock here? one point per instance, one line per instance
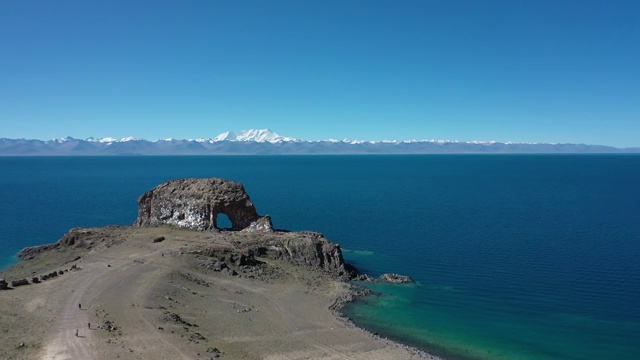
(223, 222)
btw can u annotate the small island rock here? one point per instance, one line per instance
(395, 278)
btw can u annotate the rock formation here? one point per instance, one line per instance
(388, 278)
(196, 204)
(310, 248)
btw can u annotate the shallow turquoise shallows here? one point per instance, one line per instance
(514, 256)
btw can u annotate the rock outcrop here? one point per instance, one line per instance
(76, 237)
(310, 248)
(305, 248)
(388, 278)
(196, 204)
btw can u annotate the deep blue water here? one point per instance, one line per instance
(515, 256)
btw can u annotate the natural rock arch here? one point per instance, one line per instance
(196, 203)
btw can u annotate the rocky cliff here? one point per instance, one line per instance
(196, 204)
(303, 248)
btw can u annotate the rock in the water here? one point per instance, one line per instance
(365, 277)
(196, 204)
(395, 278)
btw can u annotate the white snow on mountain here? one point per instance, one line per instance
(263, 135)
(268, 136)
(109, 140)
(62, 140)
(225, 136)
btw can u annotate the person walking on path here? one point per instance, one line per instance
(89, 325)
(80, 306)
(76, 332)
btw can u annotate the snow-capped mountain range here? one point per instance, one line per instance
(265, 141)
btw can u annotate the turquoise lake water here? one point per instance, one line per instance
(514, 256)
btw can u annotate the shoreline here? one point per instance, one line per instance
(355, 292)
(307, 322)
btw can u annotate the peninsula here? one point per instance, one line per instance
(176, 286)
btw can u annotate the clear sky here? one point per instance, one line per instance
(513, 70)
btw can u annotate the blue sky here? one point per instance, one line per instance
(526, 71)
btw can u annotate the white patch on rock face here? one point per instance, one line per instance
(165, 213)
(261, 225)
(188, 218)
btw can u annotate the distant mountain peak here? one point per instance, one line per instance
(109, 140)
(225, 136)
(261, 135)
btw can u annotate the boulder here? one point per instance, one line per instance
(261, 225)
(21, 282)
(215, 265)
(218, 266)
(158, 239)
(365, 277)
(229, 272)
(196, 204)
(3, 284)
(243, 260)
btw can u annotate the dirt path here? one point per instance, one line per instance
(66, 345)
(93, 280)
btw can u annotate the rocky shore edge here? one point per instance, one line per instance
(353, 293)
